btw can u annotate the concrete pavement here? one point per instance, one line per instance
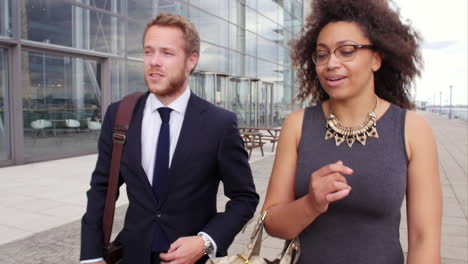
(41, 203)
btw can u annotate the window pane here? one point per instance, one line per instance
(5, 18)
(62, 105)
(213, 59)
(136, 80)
(64, 24)
(210, 28)
(109, 5)
(250, 66)
(5, 147)
(237, 38)
(268, 29)
(237, 13)
(239, 99)
(135, 37)
(269, 8)
(148, 9)
(251, 45)
(250, 3)
(267, 49)
(236, 63)
(297, 10)
(251, 20)
(218, 8)
(118, 79)
(203, 85)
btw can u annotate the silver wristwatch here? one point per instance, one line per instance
(208, 250)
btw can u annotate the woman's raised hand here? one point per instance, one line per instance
(328, 185)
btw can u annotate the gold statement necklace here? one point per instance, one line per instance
(350, 134)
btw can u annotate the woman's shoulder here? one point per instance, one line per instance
(418, 132)
(415, 121)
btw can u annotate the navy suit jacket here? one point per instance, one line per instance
(209, 151)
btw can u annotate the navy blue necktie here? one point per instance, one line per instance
(161, 165)
(160, 174)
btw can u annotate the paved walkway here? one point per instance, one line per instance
(42, 203)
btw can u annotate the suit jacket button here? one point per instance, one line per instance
(158, 215)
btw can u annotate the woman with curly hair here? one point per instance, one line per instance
(344, 166)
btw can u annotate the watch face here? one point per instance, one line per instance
(208, 246)
(210, 249)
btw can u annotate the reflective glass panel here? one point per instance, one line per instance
(135, 37)
(267, 71)
(264, 106)
(279, 109)
(213, 58)
(239, 99)
(221, 90)
(210, 28)
(268, 29)
(297, 9)
(195, 83)
(118, 79)
(237, 38)
(61, 105)
(218, 8)
(65, 24)
(208, 84)
(250, 66)
(109, 5)
(5, 18)
(149, 9)
(237, 12)
(251, 20)
(135, 75)
(268, 8)
(251, 44)
(5, 146)
(267, 49)
(236, 63)
(250, 3)
(252, 110)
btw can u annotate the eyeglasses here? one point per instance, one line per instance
(342, 53)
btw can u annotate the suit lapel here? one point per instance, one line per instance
(133, 147)
(193, 122)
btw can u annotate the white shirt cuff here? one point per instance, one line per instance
(92, 260)
(215, 248)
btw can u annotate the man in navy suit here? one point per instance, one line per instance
(173, 218)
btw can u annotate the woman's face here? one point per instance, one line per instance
(344, 69)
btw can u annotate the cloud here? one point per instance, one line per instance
(436, 45)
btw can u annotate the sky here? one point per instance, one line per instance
(443, 24)
(444, 28)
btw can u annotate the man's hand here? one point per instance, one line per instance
(185, 250)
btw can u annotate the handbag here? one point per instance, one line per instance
(113, 252)
(251, 254)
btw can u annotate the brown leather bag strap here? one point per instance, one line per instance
(122, 121)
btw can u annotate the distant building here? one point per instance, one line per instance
(62, 62)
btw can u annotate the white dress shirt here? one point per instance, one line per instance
(150, 127)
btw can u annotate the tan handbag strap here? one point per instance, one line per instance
(292, 247)
(122, 121)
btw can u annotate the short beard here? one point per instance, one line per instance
(173, 87)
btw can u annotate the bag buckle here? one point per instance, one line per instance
(118, 138)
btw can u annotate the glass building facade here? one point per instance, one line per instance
(62, 62)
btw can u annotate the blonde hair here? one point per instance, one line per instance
(191, 37)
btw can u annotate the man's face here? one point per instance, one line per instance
(167, 66)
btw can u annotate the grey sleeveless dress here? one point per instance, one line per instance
(363, 227)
